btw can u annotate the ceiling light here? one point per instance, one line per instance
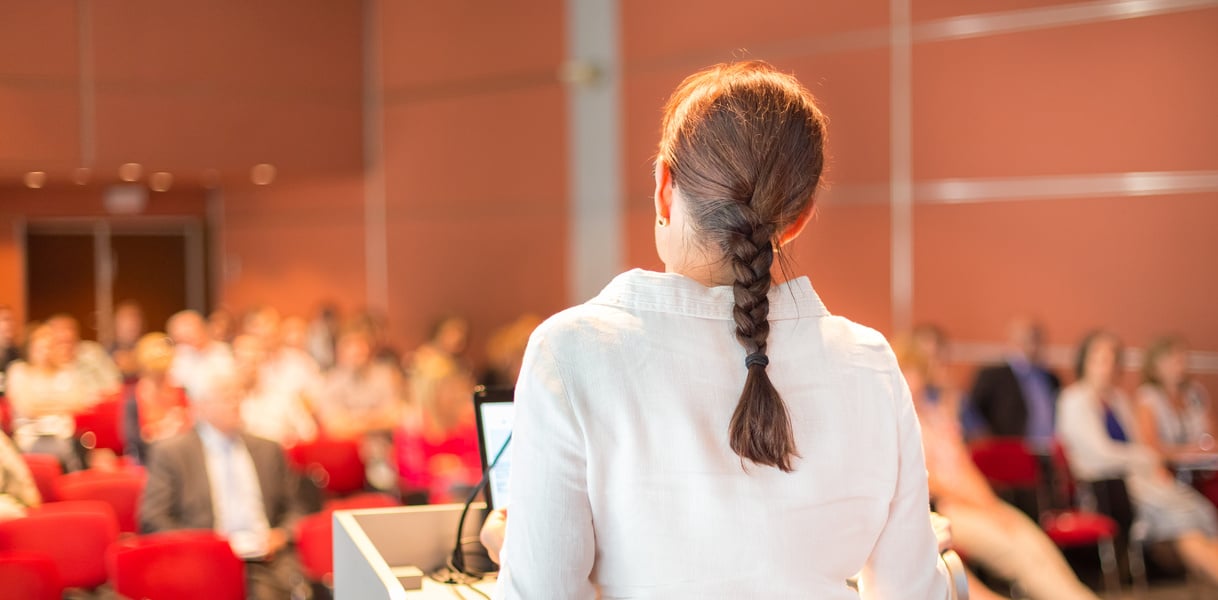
(35, 179)
(262, 174)
(160, 181)
(81, 175)
(130, 171)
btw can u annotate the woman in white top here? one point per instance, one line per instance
(712, 431)
(1098, 431)
(1175, 417)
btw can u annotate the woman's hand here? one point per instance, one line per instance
(492, 532)
(943, 530)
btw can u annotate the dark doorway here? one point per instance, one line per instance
(60, 272)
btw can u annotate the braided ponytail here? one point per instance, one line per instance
(745, 145)
(760, 429)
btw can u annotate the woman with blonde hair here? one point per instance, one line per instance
(712, 431)
(154, 407)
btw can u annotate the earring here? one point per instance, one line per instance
(661, 221)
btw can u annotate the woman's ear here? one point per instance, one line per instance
(663, 193)
(794, 229)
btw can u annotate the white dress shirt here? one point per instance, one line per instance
(623, 483)
(236, 495)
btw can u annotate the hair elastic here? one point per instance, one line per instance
(756, 358)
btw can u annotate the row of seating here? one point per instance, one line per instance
(78, 545)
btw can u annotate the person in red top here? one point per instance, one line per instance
(154, 407)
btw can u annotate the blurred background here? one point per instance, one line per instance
(491, 159)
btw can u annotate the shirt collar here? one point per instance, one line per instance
(676, 293)
(213, 439)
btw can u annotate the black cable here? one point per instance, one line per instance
(457, 562)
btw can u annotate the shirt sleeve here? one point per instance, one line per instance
(905, 560)
(549, 546)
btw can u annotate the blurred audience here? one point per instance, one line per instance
(128, 327)
(217, 476)
(1018, 397)
(438, 442)
(197, 358)
(984, 528)
(1175, 416)
(89, 362)
(286, 367)
(1098, 430)
(321, 339)
(45, 394)
(272, 408)
(221, 326)
(155, 407)
(18, 491)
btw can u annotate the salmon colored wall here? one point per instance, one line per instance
(475, 162)
(294, 245)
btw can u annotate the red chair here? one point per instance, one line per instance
(45, 469)
(315, 534)
(28, 576)
(365, 500)
(334, 465)
(120, 489)
(100, 426)
(1007, 464)
(176, 565)
(6, 415)
(75, 540)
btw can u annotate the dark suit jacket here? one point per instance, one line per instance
(998, 399)
(178, 492)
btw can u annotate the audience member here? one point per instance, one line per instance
(10, 350)
(322, 335)
(361, 399)
(220, 325)
(218, 476)
(1018, 397)
(285, 367)
(155, 407)
(1098, 430)
(987, 530)
(197, 358)
(45, 395)
(438, 442)
(128, 327)
(1175, 416)
(18, 491)
(274, 409)
(89, 362)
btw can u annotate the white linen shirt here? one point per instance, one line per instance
(623, 483)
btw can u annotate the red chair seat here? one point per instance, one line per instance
(176, 565)
(75, 540)
(100, 426)
(1078, 528)
(29, 576)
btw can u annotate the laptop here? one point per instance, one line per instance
(494, 411)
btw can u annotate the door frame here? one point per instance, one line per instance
(101, 229)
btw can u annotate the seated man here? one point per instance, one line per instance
(216, 476)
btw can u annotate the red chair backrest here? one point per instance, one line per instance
(120, 489)
(75, 540)
(1006, 463)
(334, 465)
(366, 500)
(45, 469)
(6, 415)
(314, 545)
(100, 426)
(176, 565)
(29, 576)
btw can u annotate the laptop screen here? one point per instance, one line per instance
(494, 410)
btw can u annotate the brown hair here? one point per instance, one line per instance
(745, 145)
(1156, 350)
